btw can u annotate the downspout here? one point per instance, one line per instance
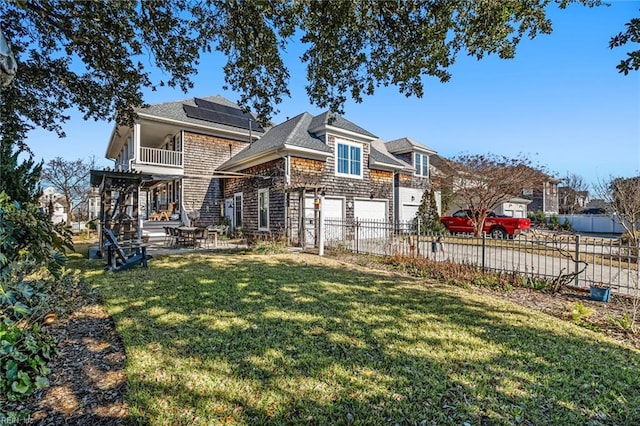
(395, 208)
(287, 181)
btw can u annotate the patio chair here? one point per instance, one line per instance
(169, 237)
(202, 236)
(118, 259)
(166, 214)
(178, 237)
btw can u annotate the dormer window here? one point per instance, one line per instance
(348, 159)
(421, 162)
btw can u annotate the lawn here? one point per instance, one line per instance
(298, 339)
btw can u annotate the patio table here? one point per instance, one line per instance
(188, 234)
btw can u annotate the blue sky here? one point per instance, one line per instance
(561, 102)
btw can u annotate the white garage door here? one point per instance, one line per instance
(372, 216)
(370, 210)
(333, 208)
(333, 214)
(408, 212)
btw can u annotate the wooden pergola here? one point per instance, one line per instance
(119, 199)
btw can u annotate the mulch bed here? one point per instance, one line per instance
(88, 382)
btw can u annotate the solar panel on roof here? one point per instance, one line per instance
(245, 121)
(202, 103)
(225, 109)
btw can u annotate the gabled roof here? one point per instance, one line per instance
(380, 157)
(293, 134)
(404, 145)
(329, 119)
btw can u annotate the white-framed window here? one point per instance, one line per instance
(263, 209)
(348, 159)
(421, 162)
(237, 210)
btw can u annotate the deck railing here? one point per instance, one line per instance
(161, 157)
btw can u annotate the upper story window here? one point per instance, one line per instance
(421, 162)
(348, 159)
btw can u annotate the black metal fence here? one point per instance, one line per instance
(586, 261)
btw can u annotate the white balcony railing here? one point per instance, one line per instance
(160, 157)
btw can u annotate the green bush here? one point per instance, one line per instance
(566, 225)
(31, 261)
(269, 247)
(24, 354)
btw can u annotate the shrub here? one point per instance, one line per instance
(24, 353)
(31, 259)
(269, 247)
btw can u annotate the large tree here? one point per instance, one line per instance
(630, 35)
(98, 56)
(71, 179)
(623, 197)
(480, 182)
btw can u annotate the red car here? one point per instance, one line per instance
(494, 225)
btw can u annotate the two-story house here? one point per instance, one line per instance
(543, 194)
(53, 203)
(306, 164)
(213, 162)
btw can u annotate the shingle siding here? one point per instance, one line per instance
(284, 200)
(202, 155)
(269, 175)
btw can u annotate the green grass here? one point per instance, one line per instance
(296, 339)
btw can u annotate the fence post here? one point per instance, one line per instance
(577, 261)
(357, 226)
(484, 251)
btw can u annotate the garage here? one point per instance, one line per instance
(408, 212)
(370, 210)
(375, 213)
(333, 214)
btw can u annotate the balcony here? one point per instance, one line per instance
(160, 157)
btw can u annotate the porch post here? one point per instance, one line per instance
(136, 142)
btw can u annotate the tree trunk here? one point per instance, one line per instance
(478, 224)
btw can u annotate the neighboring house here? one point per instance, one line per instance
(181, 144)
(543, 195)
(93, 204)
(515, 207)
(571, 201)
(52, 202)
(89, 208)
